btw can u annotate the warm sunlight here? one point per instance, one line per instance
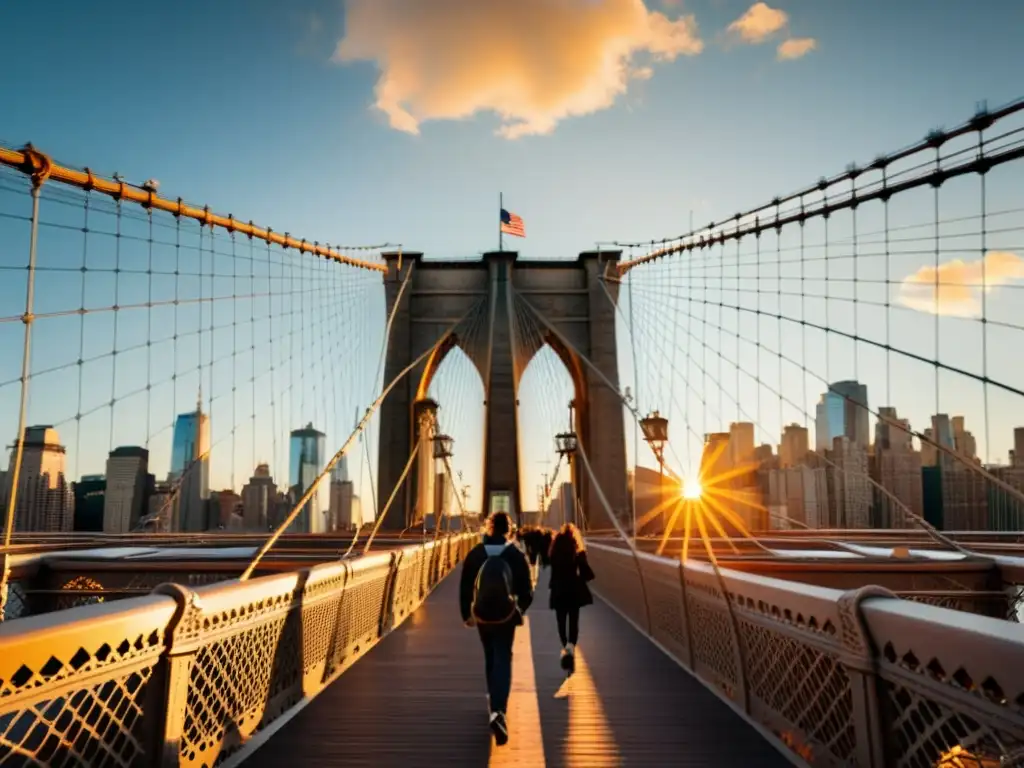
(690, 489)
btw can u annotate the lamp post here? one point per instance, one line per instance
(566, 442)
(442, 452)
(655, 429)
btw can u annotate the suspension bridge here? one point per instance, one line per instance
(243, 464)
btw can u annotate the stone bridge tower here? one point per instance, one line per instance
(493, 298)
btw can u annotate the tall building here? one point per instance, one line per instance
(346, 508)
(715, 464)
(892, 432)
(741, 442)
(190, 466)
(963, 441)
(858, 419)
(929, 453)
(852, 492)
(794, 446)
(965, 498)
(1018, 447)
(896, 467)
(125, 501)
(89, 502)
(45, 501)
(259, 498)
(160, 510)
(306, 462)
(224, 507)
(829, 420)
(797, 497)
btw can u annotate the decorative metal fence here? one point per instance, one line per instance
(857, 678)
(184, 677)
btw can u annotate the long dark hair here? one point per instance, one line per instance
(566, 544)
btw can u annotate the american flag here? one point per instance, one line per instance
(512, 224)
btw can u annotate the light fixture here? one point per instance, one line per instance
(442, 446)
(566, 443)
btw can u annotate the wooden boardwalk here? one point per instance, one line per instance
(419, 699)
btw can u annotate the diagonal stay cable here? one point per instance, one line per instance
(384, 510)
(272, 539)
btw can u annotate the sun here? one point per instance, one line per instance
(691, 490)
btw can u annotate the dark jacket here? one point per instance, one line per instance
(522, 583)
(568, 584)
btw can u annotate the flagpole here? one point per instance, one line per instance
(501, 234)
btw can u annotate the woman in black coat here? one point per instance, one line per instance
(570, 573)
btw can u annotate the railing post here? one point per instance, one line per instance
(860, 660)
(176, 676)
(387, 613)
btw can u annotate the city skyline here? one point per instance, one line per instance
(106, 382)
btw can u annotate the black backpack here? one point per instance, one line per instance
(493, 598)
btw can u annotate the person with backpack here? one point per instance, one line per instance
(570, 573)
(495, 592)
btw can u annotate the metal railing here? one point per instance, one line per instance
(185, 677)
(841, 678)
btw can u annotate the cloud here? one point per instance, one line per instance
(796, 47)
(759, 23)
(960, 284)
(533, 62)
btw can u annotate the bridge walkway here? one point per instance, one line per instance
(419, 699)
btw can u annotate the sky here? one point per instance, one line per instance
(396, 121)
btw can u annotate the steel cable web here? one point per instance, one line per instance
(139, 317)
(545, 392)
(780, 334)
(458, 391)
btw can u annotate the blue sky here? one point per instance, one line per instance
(240, 105)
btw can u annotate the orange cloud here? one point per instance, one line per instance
(960, 284)
(533, 62)
(759, 23)
(796, 47)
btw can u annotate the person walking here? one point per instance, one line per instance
(570, 573)
(495, 591)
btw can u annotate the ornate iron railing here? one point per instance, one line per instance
(841, 678)
(184, 677)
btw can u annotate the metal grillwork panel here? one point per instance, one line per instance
(794, 683)
(857, 678)
(188, 677)
(925, 731)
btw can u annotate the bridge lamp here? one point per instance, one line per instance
(655, 429)
(442, 446)
(566, 443)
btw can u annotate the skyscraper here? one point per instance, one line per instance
(45, 500)
(896, 467)
(124, 502)
(892, 432)
(829, 420)
(259, 496)
(851, 486)
(794, 446)
(966, 445)
(190, 463)
(741, 441)
(858, 420)
(942, 434)
(306, 462)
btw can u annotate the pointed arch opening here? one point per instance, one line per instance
(452, 380)
(551, 381)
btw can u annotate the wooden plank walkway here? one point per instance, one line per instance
(419, 699)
